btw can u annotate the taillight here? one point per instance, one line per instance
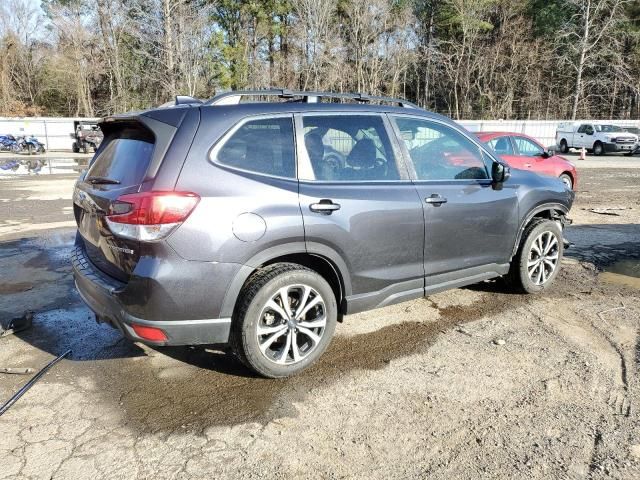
(150, 216)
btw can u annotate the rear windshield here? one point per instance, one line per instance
(124, 157)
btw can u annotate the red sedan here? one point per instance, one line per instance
(523, 152)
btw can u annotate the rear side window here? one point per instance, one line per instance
(349, 148)
(124, 157)
(262, 146)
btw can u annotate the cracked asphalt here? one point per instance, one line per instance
(470, 383)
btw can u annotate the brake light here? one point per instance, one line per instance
(150, 216)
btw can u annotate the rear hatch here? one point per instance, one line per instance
(119, 167)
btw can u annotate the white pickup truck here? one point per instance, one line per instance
(598, 138)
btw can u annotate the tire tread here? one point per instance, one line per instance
(251, 288)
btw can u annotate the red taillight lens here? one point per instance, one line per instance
(153, 208)
(150, 216)
(152, 334)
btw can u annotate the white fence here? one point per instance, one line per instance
(54, 131)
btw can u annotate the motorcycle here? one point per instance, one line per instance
(31, 145)
(9, 143)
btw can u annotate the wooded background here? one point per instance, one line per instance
(471, 59)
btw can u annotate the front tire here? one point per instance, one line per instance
(537, 263)
(284, 321)
(567, 180)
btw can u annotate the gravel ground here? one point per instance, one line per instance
(470, 383)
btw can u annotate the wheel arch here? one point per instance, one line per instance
(550, 211)
(326, 267)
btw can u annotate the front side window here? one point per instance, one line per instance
(262, 146)
(501, 145)
(439, 152)
(528, 148)
(345, 148)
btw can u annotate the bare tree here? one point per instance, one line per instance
(77, 62)
(21, 25)
(587, 38)
(459, 56)
(316, 28)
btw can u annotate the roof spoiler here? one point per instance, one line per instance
(182, 100)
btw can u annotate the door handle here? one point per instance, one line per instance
(324, 206)
(436, 200)
(528, 165)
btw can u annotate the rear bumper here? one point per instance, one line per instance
(101, 294)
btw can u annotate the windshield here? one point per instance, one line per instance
(608, 128)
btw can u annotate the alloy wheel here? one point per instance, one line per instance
(291, 324)
(543, 257)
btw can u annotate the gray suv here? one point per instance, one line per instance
(261, 223)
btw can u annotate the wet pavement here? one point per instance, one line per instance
(50, 163)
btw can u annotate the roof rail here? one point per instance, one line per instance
(233, 98)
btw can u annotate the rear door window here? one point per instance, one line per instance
(263, 146)
(124, 157)
(349, 148)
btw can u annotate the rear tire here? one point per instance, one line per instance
(75, 148)
(564, 148)
(289, 343)
(537, 263)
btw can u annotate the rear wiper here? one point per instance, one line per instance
(102, 181)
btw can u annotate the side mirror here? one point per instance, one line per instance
(546, 154)
(500, 173)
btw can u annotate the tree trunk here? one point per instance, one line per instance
(168, 47)
(584, 45)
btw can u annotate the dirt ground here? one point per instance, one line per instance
(471, 383)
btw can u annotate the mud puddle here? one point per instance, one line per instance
(624, 272)
(8, 288)
(197, 387)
